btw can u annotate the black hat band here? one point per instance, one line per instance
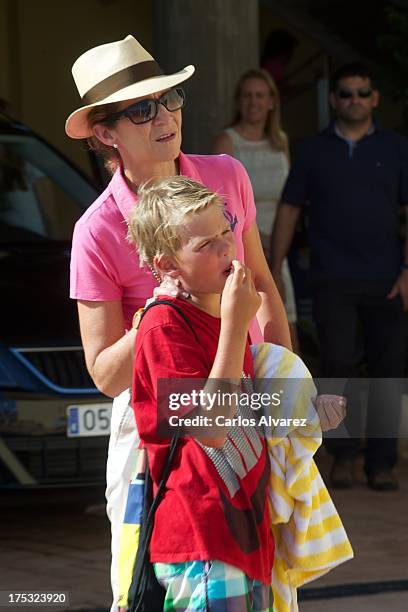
(119, 80)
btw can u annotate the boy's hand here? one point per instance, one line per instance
(331, 410)
(240, 300)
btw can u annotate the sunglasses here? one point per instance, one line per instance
(147, 109)
(346, 94)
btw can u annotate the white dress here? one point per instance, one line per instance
(267, 170)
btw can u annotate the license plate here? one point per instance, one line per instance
(89, 420)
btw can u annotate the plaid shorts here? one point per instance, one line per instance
(211, 586)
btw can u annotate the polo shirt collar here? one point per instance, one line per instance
(125, 198)
(334, 130)
(351, 144)
(340, 134)
(187, 168)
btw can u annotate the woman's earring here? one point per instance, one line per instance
(115, 146)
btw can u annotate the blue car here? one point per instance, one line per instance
(54, 424)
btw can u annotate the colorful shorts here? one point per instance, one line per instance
(211, 586)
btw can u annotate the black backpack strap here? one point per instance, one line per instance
(175, 307)
(140, 577)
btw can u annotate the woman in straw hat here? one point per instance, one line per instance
(131, 114)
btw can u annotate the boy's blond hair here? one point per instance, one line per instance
(156, 221)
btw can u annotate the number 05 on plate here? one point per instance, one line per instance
(88, 420)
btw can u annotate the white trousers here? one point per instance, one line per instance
(121, 460)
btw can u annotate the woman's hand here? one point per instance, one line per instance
(168, 286)
(331, 410)
(240, 300)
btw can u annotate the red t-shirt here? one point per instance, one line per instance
(215, 504)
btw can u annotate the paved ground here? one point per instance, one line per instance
(377, 525)
(48, 541)
(370, 603)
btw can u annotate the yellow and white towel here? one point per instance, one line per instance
(310, 539)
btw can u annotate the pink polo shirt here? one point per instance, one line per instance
(105, 266)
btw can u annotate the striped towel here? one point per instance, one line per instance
(310, 539)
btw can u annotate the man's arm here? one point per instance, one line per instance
(271, 314)
(281, 239)
(405, 260)
(401, 284)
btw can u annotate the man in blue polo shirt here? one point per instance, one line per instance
(354, 177)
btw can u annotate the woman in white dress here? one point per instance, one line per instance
(256, 138)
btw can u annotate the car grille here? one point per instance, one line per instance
(58, 460)
(62, 367)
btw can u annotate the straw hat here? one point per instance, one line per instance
(117, 71)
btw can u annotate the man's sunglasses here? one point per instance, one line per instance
(346, 94)
(147, 109)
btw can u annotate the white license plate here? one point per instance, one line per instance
(88, 420)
